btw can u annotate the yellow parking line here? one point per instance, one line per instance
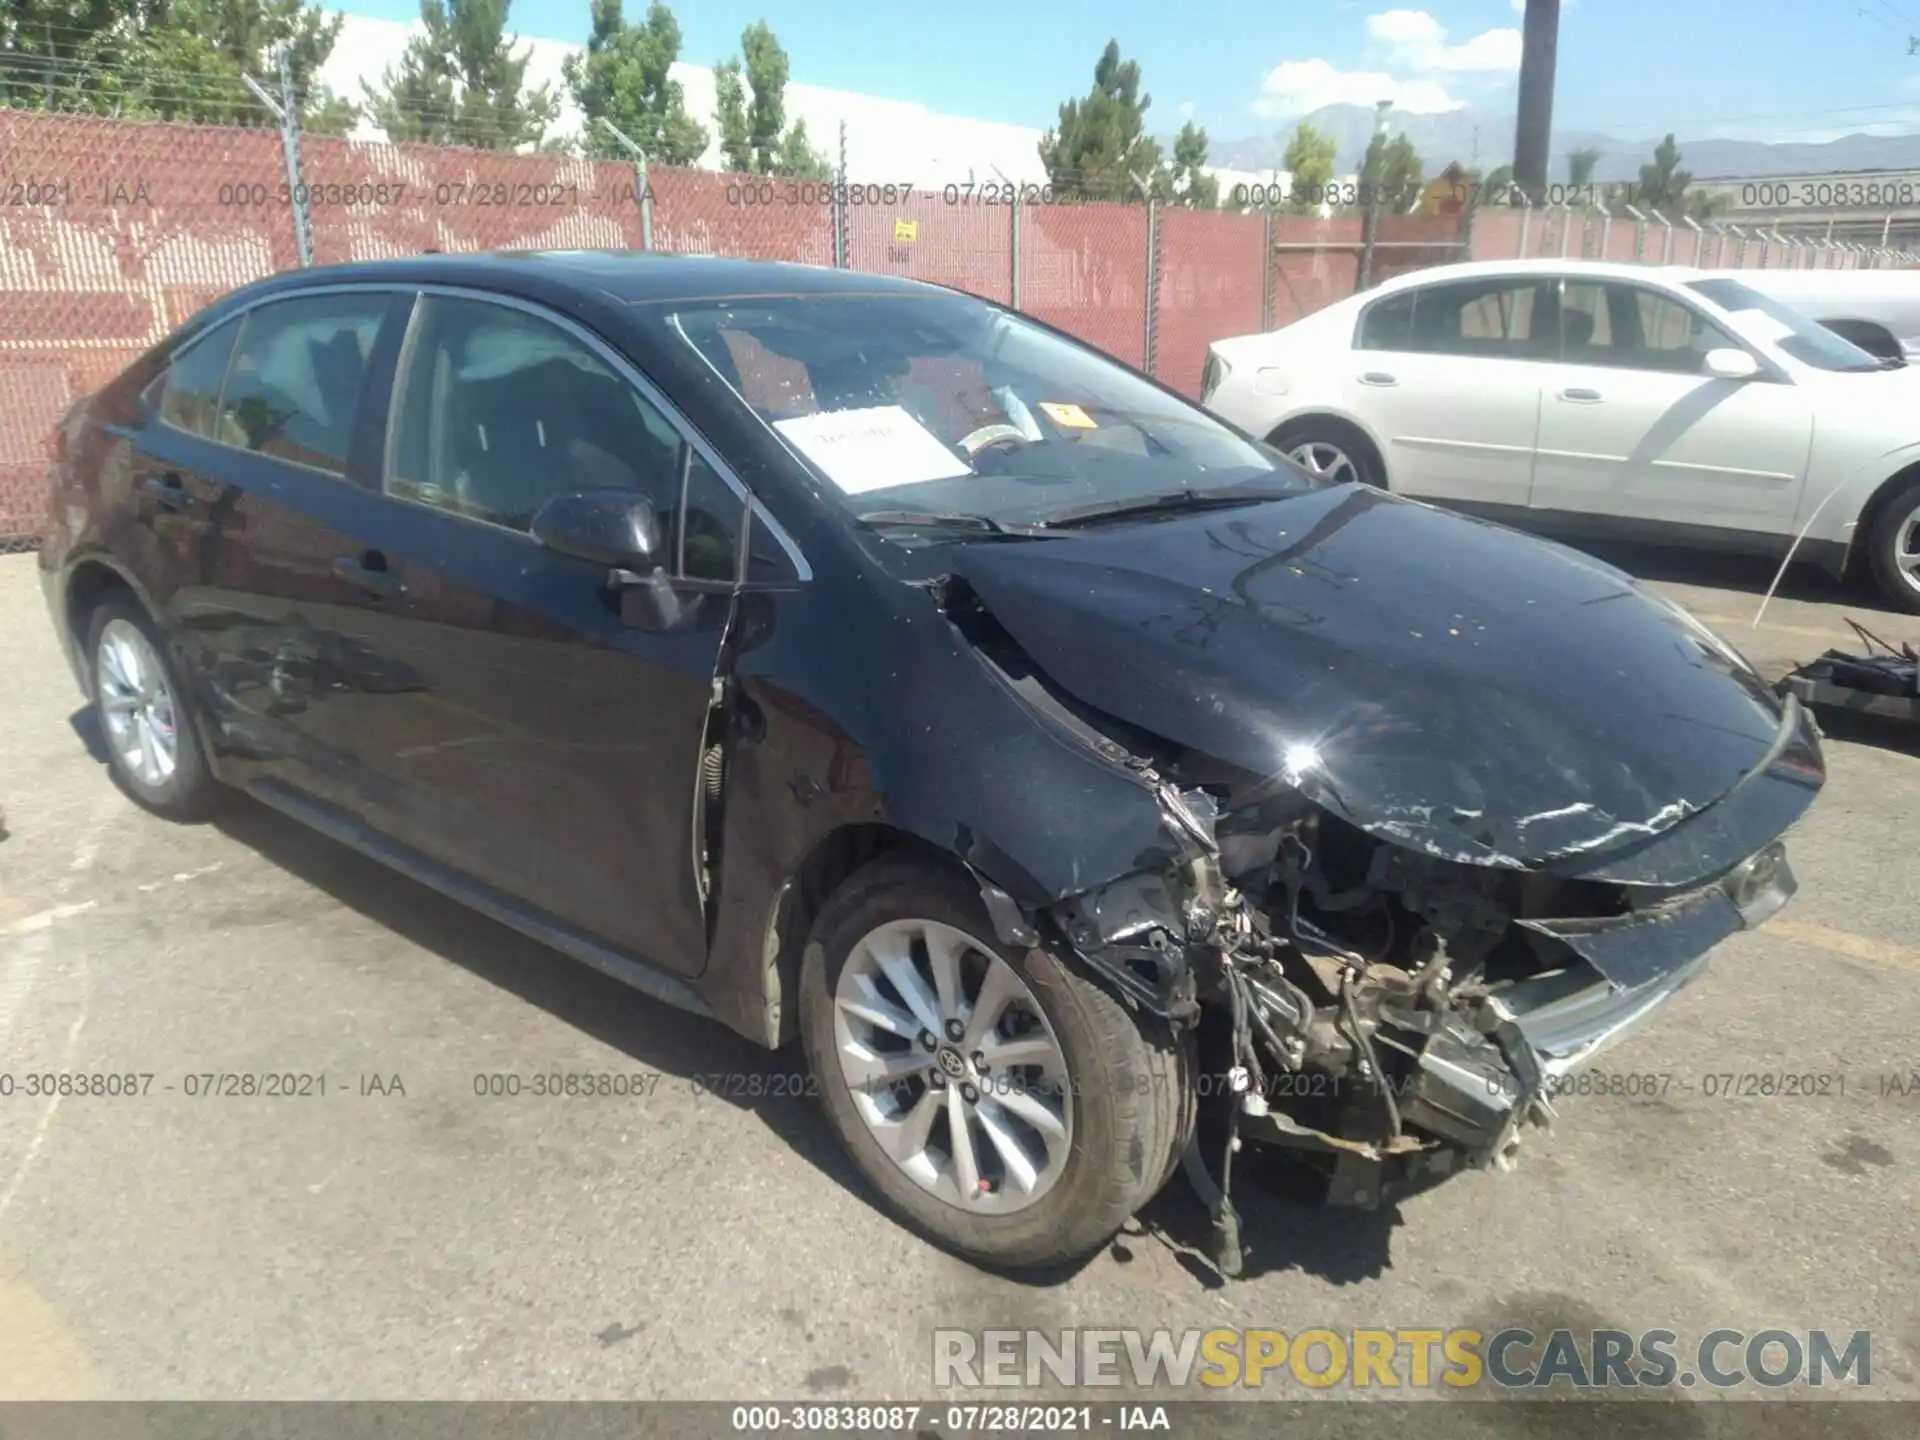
(1733, 627)
(41, 919)
(44, 1360)
(1845, 942)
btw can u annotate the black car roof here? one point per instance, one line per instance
(627, 276)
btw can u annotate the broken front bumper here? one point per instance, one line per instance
(1477, 1087)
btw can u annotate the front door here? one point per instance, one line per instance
(1449, 376)
(1632, 427)
(516, 718)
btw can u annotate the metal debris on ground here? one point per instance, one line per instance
(1883, 680)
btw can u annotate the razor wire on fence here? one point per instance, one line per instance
(114, 231)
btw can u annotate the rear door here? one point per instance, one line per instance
(1449, 376)
(170, 485)
(511, 715)
(1632, 427)
(239, 477)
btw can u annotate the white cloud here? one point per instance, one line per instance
(1418, 42)
(1415, 61)
(1184, 109)
(1294, 87)
(1406, 27)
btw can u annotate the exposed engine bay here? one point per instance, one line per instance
(1399, 1015)
(1396, 903)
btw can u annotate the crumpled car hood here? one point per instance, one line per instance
(1444, 683)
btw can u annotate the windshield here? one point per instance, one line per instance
(1759, 318)
(942, 405)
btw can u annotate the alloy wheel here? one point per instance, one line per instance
(137, 705)
(1906, 548)
(1326, 460)
(953, 1066)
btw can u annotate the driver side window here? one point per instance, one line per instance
(1634, 328)
(496, 411)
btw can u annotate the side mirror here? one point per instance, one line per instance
(1730, 364)
(615, 528)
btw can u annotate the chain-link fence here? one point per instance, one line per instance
(1633, 237)
(112, 232)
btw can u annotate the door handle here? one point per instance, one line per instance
(369, 572)
(1581, 396)
(1378, 377)
(168, 490)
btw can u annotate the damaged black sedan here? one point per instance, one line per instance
(1089, 790)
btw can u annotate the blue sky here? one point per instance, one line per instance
(1763, 69)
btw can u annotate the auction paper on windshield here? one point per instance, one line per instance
(872, 449)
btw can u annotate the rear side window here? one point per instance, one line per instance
(294, 385)
(1490, 319)
(190, 393)
(1388, 325)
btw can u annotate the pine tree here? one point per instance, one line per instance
(1192, 186)
(752, 115)
(1309, 166)
(1663, 184)
(624, 78)
(460, 83)
(730, 114)
(1101, 144)
(1391, 172)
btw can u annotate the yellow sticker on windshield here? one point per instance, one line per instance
(1071, 416)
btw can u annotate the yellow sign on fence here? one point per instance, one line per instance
(905, 232)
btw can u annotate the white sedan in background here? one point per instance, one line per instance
(1878, 310)
(1601, 400)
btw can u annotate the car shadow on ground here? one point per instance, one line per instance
(85, 723)
(1902, 737)
(1284, 1226)
(1283, 1233)
(656, 1036)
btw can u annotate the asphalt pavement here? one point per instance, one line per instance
(402, 1236)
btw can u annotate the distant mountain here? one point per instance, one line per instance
(1463, 134)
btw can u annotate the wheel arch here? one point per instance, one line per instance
(1871, 512)
(800, 899)
(1336, 420)
(89, 582)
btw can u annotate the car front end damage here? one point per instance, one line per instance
(1400, 1014)
(1446, 811)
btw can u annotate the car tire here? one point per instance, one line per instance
(146, 720)
(1046, 1194)
(1335, 452)
(1893, 548)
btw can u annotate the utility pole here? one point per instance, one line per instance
(1533, 128)
(645, 188)
(286, 111)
